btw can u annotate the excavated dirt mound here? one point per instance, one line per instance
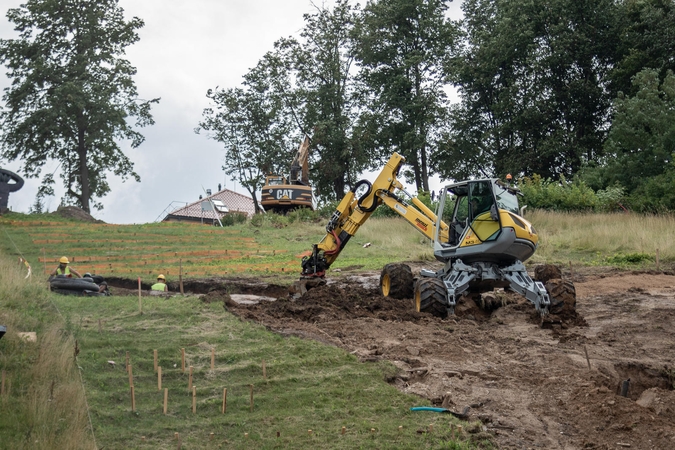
(73, 212)
(527, 380)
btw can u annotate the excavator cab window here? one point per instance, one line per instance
(275, 181)
(481, 198)
(460, 215)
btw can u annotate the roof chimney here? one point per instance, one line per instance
(220, 188)
(208, 192)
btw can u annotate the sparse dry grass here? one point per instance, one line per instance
(44, 405)
(590, 237)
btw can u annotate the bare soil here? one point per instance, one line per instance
(529, 385)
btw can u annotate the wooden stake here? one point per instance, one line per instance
(180, 275)
(213, 358)
(140, 304)
(211, 435)
(179, 441)
(224, 400)
(431, 428)
(166, 398)
(251, 397)
(657, 259)
(400, 428)
(182, 360)
(143, 438)
(245, 435)
(343, 430)
(264, 370)
(372, 430)
(588, 361)
(133, 400)
(278, 434)
(159, 378)
(131, 377)
(190, 380)
(194, 399)
(154, 356)
(309, 432)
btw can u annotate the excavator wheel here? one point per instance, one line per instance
(563, 296)
(396, 281)
(431, 297)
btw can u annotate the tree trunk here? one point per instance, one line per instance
(84, 171)
(339, 187)
(256, 205)
(424, 169)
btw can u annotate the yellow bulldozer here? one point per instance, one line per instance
(478, 232)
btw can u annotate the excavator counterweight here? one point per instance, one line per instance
(281, 194)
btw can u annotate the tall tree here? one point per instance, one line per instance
(254, 125)
(641, 143)
(533, 77)
(326, 97)
(405, 49)
(72, 96)
(646, 41)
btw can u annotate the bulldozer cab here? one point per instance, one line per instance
(471, 209)
(275, 180)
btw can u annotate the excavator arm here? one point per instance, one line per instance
(300, 164)
(352, 212)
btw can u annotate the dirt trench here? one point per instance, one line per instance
(530, 386)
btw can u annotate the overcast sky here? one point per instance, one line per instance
(185, 48)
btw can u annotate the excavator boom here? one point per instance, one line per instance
(353, 211)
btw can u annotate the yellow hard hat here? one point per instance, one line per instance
(160, 277)
(64, 260)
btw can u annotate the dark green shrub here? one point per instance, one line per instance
(233, 218)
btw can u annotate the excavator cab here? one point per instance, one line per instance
(484, 223)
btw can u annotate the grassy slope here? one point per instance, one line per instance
(146, 250)
(308, 386)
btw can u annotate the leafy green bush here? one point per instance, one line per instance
(258, 220)
(233, 218)
(561, 195)
(622, 259)
(655, 195)
(303, 215)
(326, 209)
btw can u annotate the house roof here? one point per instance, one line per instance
(233, 201)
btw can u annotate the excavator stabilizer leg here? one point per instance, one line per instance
(534, 291)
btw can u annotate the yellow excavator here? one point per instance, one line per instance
(282, 195)
(482, 239)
